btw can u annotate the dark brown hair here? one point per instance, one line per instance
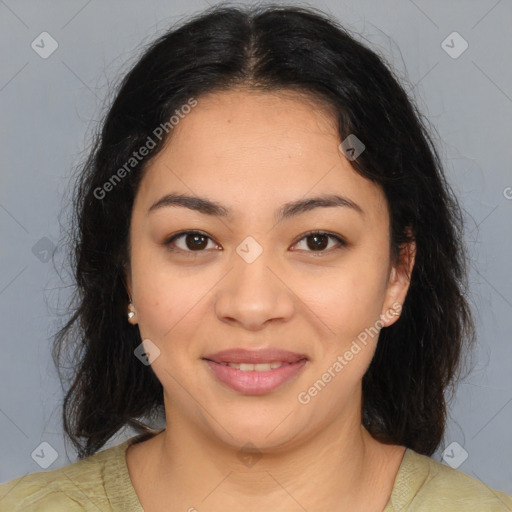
(268, 48)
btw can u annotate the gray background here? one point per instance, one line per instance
(50, 106)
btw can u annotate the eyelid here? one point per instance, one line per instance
(341, 242)
(168, 241)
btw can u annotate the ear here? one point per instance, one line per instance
(132, 314)
(398, 284)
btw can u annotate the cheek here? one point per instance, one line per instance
(349, 308)
(350, 298)
(167, 305)
(164, 298)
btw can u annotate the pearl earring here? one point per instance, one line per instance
(131, 314)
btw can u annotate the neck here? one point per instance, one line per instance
(340, 467)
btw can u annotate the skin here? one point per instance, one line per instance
(252, 152)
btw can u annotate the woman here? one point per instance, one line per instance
(269, 256)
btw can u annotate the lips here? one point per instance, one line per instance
(255, 372)
(268, 355)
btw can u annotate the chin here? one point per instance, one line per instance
(265, 432)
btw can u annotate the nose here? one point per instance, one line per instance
(253, 294)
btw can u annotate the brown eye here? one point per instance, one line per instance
(318, 241)
(189, 241)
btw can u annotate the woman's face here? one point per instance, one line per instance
(253, 278)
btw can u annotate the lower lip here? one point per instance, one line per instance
(255, 383)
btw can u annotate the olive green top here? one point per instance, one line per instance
(101, 482)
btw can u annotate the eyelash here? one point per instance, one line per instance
(173, 238)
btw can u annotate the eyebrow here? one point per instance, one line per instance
(208, 207)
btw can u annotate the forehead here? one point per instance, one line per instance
(268, 125)
(254, 147)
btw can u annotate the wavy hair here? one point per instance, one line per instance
(268, 48)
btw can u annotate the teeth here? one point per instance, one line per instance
(259, 367)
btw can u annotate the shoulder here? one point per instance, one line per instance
(423, 484)
(77, 487)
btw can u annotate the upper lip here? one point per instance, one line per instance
(266, 355)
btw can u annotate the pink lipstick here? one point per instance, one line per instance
(255, 372)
